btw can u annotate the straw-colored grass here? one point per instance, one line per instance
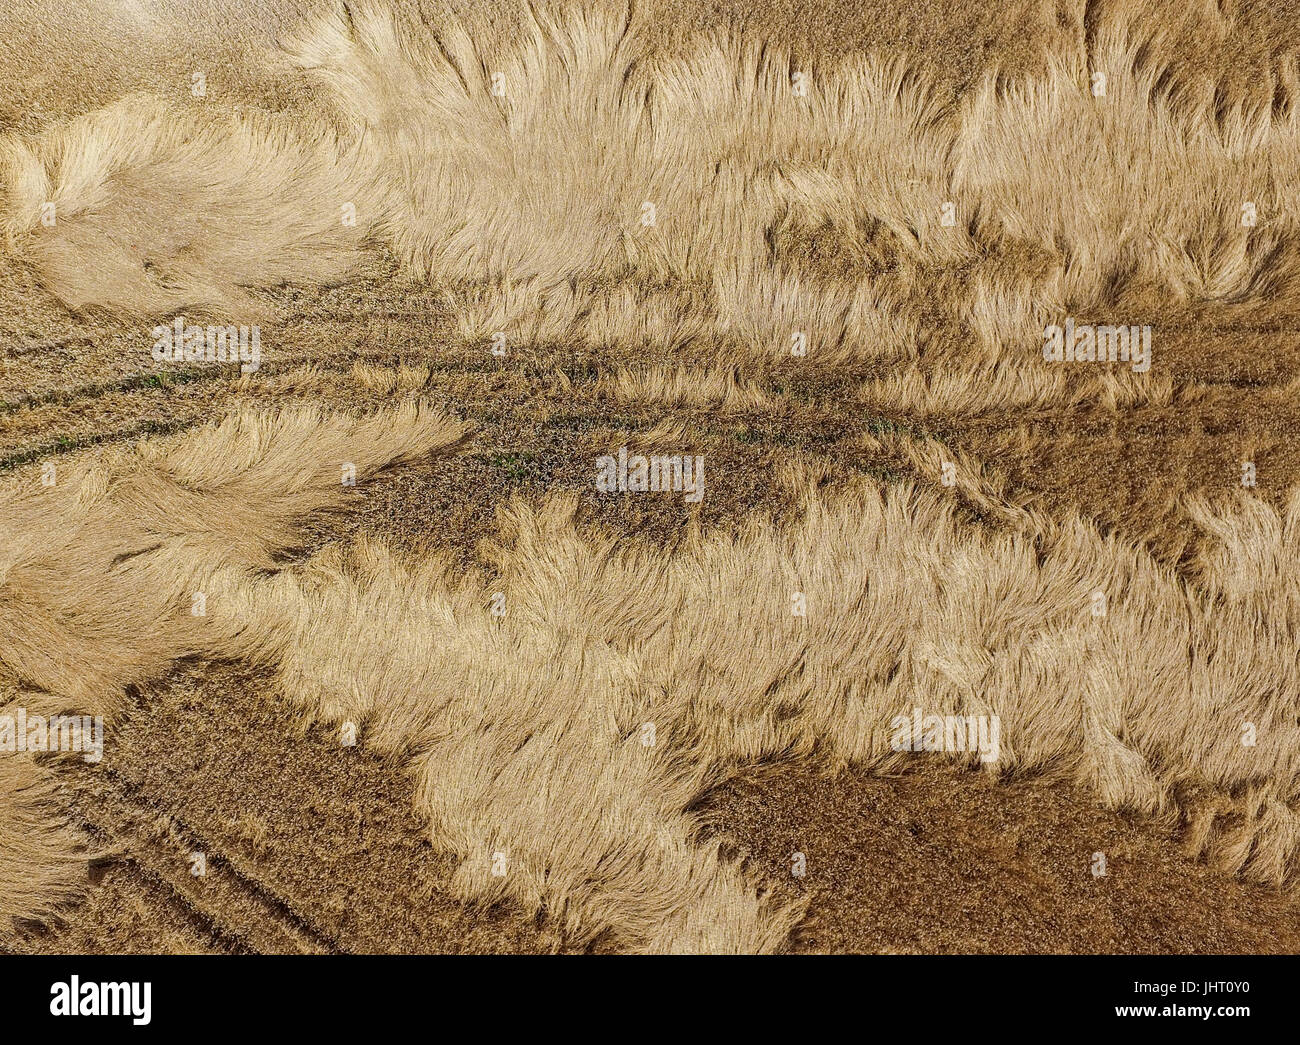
(102, 571)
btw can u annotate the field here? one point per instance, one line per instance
(506, 480)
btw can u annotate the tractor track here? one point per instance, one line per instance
(238, 910)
